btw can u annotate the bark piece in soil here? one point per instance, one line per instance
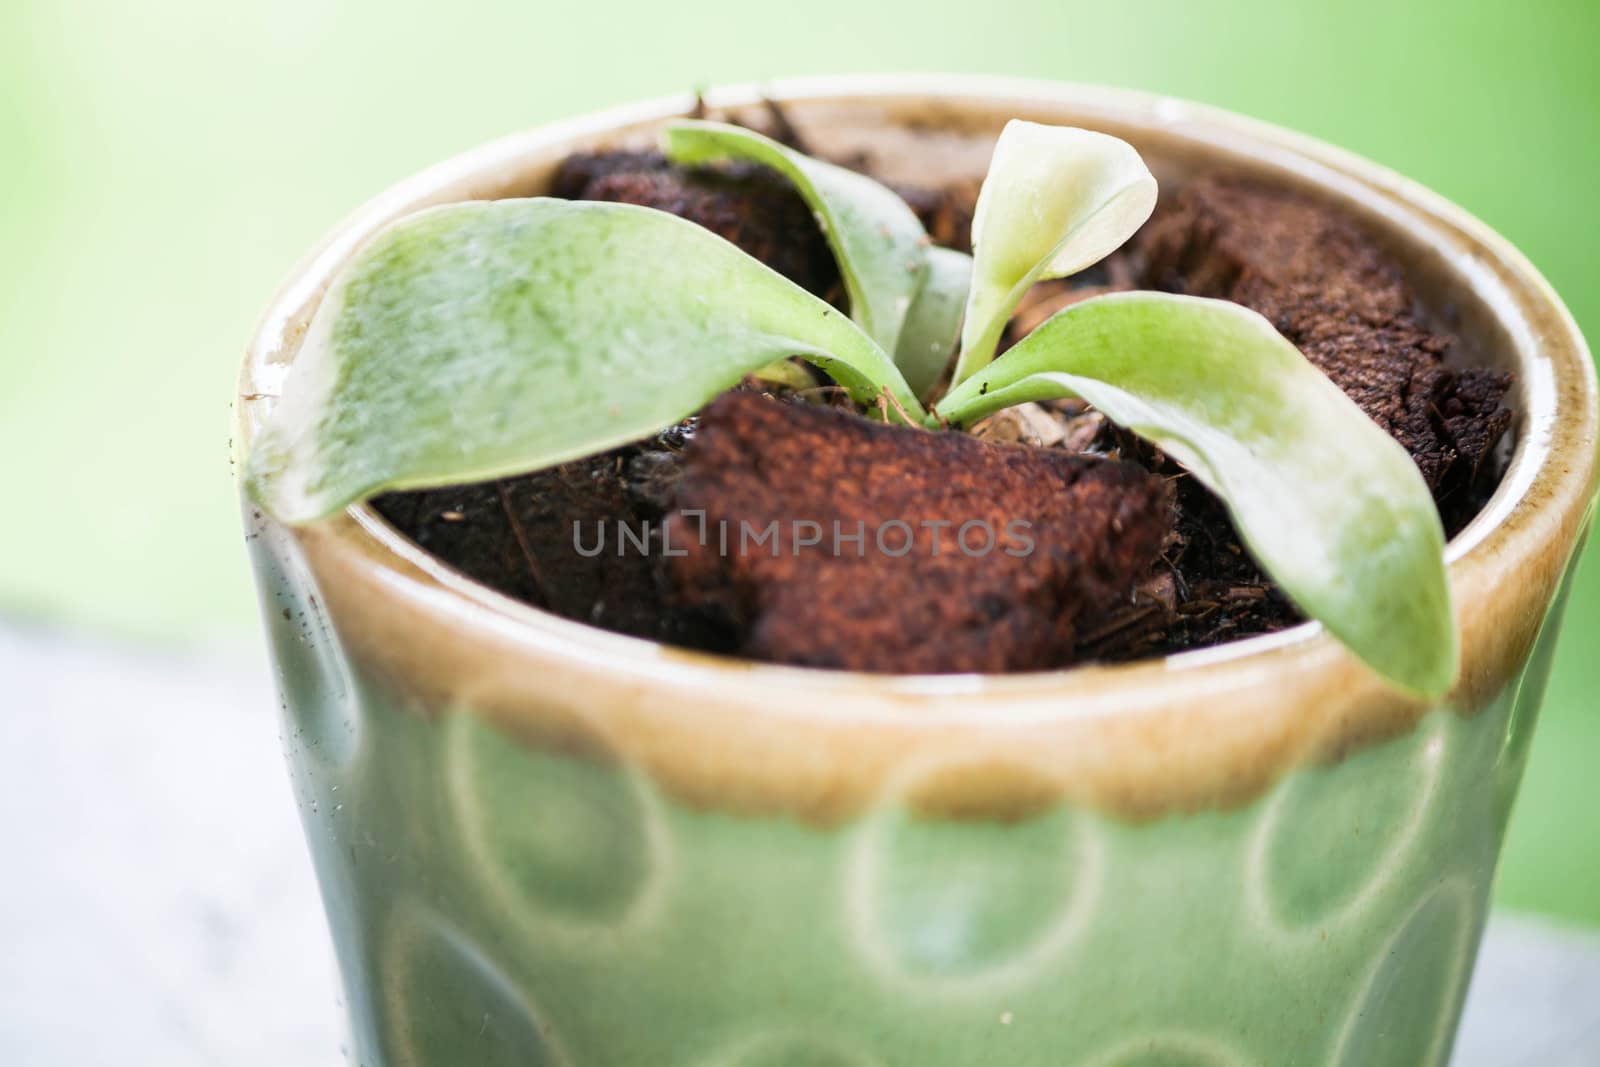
(1331, 291)
(757, 465)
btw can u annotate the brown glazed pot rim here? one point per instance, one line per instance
(1199, 729)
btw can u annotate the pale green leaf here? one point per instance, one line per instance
(929, 338)
(1056, 199)
(880, 246)
(1330, 506)
(483, 339)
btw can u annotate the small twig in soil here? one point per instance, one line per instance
(885, 395)
(1199, 609)
(1118, 624)
(522, 543)
(1177, 577)
(783, 131)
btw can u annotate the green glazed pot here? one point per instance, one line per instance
(542, 844)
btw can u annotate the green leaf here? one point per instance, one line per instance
(929, 338)
(483, 339)
(876, 238)
(1330, 506)
(1056, 199)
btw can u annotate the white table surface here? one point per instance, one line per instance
(157, 905)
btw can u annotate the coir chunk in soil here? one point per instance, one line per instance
(752, 207)
(1329, 289)
(1052, 540)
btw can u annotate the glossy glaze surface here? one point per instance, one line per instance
(496, 902)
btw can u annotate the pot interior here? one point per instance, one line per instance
(932, 141)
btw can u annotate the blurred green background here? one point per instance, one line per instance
(166, 163)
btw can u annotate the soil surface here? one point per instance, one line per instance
(1131, 557)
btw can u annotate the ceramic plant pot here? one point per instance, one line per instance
(540, 843)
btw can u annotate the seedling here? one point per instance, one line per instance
(485, 339)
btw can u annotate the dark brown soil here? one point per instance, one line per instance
(1137, 558)
(1204, 590)
(516, 535)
